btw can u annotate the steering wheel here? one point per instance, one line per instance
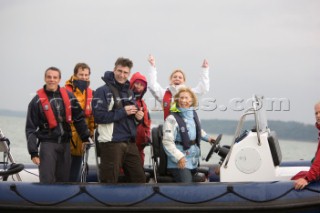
(14, 168)
(213, 147)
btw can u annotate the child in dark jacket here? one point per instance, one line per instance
(138, 84)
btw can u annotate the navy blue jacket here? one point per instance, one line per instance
(113, 122)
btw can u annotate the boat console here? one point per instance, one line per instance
(255, 154)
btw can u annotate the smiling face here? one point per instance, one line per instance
(177, 78)
(52, 79)
(121, 74)
(185, 100)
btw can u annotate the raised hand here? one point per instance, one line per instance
(205, 63)
(151, 60)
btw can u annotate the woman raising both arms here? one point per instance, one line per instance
(177, 80)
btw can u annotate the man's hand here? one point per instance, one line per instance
(131, 109)
(152, 61)
(139, 115)
(36, 160)
(300, 183)
(205, 63)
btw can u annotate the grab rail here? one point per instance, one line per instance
(237, 134)
(253, 110)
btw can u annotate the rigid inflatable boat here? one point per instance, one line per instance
(252, 178)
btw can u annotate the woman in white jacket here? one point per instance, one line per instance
(177, 81)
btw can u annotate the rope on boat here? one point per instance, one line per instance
(156, 191)
(32, 173)
(185, 202)
(126, 205)
(230, 188)
(13, 187)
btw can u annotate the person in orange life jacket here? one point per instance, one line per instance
(48, 130)
(138, 84)
(182, 134)
(117, 115)
(177, 80)
(303, 178)
(78, 84)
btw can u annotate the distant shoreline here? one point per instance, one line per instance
(13, 113)
(290, 130)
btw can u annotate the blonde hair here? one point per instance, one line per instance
(175, 71)
(192, 94)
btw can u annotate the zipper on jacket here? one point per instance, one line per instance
(57, 105)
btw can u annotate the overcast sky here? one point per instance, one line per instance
(266, 47)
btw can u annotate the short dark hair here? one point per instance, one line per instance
(125, 62)
(80, 66)
(53, 68)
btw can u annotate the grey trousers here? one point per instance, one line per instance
(55, 162)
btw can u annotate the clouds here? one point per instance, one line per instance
(267, 47)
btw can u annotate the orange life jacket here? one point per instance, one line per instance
(87, 109)
(46, 106)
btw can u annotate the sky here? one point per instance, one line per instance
(265, 47)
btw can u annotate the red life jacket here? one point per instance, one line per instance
(46, 106)
(87, 109)
(166, 103)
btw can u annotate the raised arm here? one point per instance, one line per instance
(204, 82)
(155, 88)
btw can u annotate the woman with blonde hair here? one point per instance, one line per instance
(182, 134)
(177, 80)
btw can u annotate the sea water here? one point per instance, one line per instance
(14, 129)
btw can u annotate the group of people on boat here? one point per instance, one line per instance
(61, 121)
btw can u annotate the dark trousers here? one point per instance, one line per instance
(182, 175)
(117, 155)
(75, 171)
(54, 162)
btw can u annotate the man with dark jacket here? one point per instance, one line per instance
(50, 114)
(116, 115)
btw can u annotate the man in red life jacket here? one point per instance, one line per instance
(303, 178)
(49, 116)
(78, 84)
(138, 84)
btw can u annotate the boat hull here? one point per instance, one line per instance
(200, 197)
